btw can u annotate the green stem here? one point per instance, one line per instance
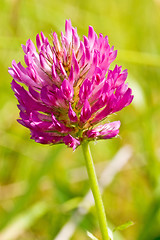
(96, 191)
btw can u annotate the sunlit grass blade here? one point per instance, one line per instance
(91, 236)
(23, 221)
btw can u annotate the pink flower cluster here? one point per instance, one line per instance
(69, 88)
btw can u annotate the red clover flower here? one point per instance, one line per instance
(70, 88)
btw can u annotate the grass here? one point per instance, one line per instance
(41, 187)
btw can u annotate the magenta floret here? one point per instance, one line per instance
(69, 88)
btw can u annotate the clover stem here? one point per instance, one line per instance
(96, 191)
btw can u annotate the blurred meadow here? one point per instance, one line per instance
(43, 189)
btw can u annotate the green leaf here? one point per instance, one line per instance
(123, 226)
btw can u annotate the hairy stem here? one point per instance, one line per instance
(96, 191)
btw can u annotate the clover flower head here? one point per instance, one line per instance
(69, 88)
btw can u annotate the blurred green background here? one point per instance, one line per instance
(42, 187)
